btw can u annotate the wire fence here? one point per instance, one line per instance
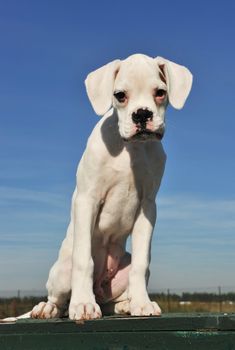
(199, 299)
(170, 291)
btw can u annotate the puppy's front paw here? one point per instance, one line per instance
(84, 311)
(45, 310)
(145, 308)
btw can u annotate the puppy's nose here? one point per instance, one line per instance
(142, 116)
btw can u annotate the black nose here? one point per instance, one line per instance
(141, 116)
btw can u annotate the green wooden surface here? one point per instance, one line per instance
(168, 332)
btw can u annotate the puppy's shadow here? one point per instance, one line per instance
(111, 136)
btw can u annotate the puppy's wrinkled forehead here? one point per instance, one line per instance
(137, 72)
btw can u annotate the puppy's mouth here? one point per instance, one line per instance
(145, 135)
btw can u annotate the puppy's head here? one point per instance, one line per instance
(139, 88)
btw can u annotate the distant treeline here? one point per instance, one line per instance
(23, 300)
(196, 296)
(169, 302)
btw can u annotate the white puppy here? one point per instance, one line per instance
(117, 181)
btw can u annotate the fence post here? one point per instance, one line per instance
(220, 299)
(168, 300)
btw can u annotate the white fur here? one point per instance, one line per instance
(117, 183)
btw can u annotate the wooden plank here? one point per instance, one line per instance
(121, 340)
(171, 322)
(170, 331)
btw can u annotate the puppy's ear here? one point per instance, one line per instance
(99, 86)
(178, 80)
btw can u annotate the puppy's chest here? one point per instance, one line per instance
(122, 202)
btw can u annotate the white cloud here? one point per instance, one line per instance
(197, 213)
(30, 217)
(10, 195)
(194, 242)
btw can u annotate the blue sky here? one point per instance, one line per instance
(47, 49)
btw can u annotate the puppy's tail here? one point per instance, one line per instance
(14, 319)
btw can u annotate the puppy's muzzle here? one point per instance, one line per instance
(141, 118)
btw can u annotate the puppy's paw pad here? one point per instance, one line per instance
(84, 311)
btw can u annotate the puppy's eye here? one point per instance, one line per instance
(160, 93)
(120, 96)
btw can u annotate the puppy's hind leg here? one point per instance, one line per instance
(59, 282)
(116, 291)
(117, 296)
